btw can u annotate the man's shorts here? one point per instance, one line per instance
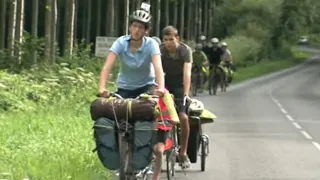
(178, 94)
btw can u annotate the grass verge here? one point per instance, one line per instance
(54, 142)
(267, 67)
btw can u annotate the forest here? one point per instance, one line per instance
(49, 74)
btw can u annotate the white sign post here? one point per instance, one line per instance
(103, 44)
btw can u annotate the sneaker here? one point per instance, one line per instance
(184, 162)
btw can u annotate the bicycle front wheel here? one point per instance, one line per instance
(124, 157)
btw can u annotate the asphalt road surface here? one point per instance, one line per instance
(267, 128)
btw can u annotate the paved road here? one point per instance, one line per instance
(268, 128)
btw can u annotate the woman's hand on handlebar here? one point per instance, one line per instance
(159, 92)
(104, 93)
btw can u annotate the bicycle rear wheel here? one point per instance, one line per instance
(194, 84)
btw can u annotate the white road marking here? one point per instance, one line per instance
(317, 145)
(289, 117)
(296, 125)
(284, 111)
(306, 135)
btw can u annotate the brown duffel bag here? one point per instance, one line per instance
(121, 109)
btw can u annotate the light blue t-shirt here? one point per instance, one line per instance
(136, 69)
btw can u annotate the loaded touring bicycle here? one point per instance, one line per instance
(125, 133)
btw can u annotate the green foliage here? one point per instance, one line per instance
(46, 129)
(45, 85)
(244, 49)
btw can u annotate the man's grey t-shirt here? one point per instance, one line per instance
(173, 65)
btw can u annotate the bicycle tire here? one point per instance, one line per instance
(203, 155)
(171, 155)
(124, 157)
(194, 85)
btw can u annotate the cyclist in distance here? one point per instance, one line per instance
(199, 59)
(214, 52)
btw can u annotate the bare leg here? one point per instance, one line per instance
(158, 150)
(184, 135)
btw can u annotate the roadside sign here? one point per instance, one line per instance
(103, 45)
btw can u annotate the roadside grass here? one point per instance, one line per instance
(54, 142)
(267, 67)
(45, 125)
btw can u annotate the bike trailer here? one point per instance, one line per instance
(205, 117)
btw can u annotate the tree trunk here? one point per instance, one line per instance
(19, 28)
(157, 25)
(132, 5)
(70, 26)
(111, 18)
(126, 16)
(206, 18)
(189, 19)
(210, 29)
(182, 5)
(116, 18)
(98, 30)
(84, 20)
(88, 21)
(48, 27)
(196, 20)
(75, 28)
(200, 11)
(53, 30)
(34, 26)
(175, 15)
(167, 11)
(12, 26)
(3, 6)
(138, 4)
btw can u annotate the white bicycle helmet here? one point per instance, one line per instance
(195, 107)
(215, 40)
(198, 46)
(141, 16)
(224, 44)
(203, 38)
